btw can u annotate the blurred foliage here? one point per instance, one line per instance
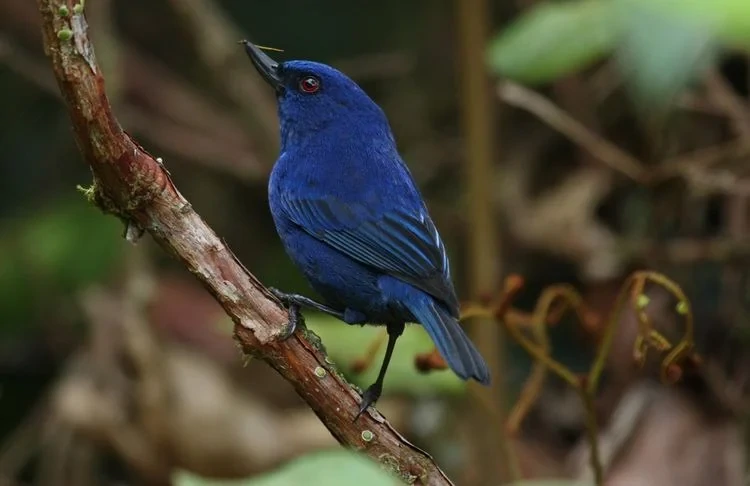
(404, 55)
(660, 53)
(554, 39)
(56, 251)
(551, 482)
(326, 468)
(661, 44)
(345, 344)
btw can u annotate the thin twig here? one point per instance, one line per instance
(215, 39)
(363, 363)
(632, 292)
(702, 158)
(174, 114)
(592, 434)
(685, 250)
(688, 166)
(730, 103)
(605, 151)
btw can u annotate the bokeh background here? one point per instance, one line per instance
(563, 141)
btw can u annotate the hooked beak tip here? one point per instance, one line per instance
(266, 67)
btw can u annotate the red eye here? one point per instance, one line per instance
(309, 84)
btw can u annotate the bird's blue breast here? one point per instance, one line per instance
(361, 173)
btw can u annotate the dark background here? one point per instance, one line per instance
(618, 136)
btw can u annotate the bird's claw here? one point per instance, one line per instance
(369, 397)
(295, 316)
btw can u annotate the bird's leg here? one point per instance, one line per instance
(295, 317)
(371, 395)
(302, 301)
(294, 302)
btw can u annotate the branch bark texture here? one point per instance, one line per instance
(136, 187)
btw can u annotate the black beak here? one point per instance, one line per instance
(267, 67)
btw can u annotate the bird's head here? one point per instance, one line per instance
(313, 96)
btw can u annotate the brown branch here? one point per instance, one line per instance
(178, 119)
(215, 37)
(136, 187)
(688, 166)
(492, 453)
(700, 159)
(727, 100)
(682, 251)
(605, 151)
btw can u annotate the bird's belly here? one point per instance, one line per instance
(340, 280)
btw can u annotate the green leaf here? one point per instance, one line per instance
(662, 52)
(555, 39)
(345, 344)
(728, 20)
(327, 468)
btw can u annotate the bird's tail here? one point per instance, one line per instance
(452, 342)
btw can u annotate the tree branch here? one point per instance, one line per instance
(605, 151)
(132, 184)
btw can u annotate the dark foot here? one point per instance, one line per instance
(295, 317)
(369, 397)
(302, 301)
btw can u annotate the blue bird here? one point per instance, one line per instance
(352, 219)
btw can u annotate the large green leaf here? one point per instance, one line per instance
(664, 39)
(328, 468)
(555, 39)
(661, 52)
(728, 20)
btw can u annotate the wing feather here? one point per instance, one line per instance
(398, 242)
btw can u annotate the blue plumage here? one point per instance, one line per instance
(351, 217)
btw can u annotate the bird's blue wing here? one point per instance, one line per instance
(401, 243)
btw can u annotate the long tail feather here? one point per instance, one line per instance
(452, 342)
